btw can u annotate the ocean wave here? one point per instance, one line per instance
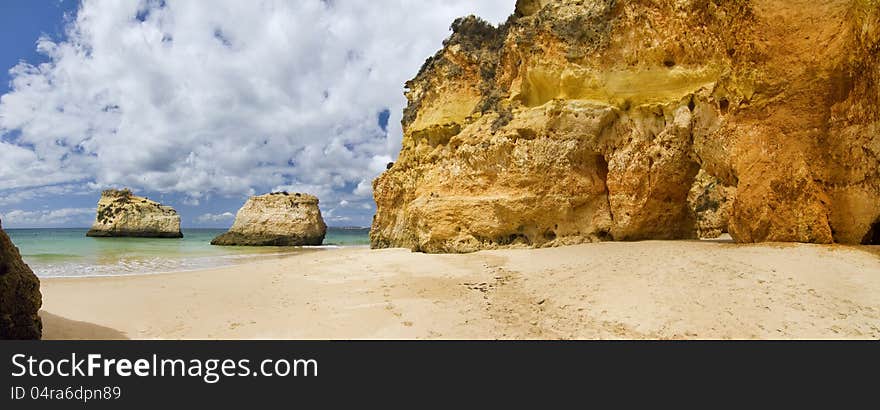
(68, 253)
(132, 266)
(50, 255)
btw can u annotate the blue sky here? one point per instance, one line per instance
(200, 104)
(21, 23)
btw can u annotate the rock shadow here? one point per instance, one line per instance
(59, 328)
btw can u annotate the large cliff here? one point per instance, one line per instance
(587, 120)
(121, 213)
(277, 219)
(20, 297)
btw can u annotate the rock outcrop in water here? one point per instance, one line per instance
(121, 214)
(277, 219)
(588, 120)
(20, 297)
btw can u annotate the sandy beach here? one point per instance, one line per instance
(644, 290)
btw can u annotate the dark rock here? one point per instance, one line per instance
(20, 297)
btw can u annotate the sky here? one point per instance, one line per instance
(200, 104)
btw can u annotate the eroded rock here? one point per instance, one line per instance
(20, 297)
(579, 121)
(711, 203)
(277, 219)
(122, 214)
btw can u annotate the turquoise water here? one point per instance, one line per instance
(68, 252)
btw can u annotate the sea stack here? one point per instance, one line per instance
(122, 214)
(590, 120)
(20, 297)
(277, 219)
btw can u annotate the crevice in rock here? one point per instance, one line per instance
(602, 171)
(710, 202)
(873, 235)
(724, 105)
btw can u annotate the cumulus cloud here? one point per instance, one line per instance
(331, 216)
(47, 218)
(224, 98)
(224, 217)
(16, 196)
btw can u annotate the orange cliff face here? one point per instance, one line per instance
(580, 121)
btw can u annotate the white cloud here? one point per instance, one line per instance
(331, 216)
(228, 98)
(226, 216)
(16, 196)
(364, 188)
(47, 218)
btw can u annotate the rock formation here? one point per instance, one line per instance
(20, 297)
(277, 219)
(586, 120)
(711, 203)
(120, 213)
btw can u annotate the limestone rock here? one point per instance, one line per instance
(20, 297)
(277, 219)
(586, 120)
(711, 203)
(120, 214)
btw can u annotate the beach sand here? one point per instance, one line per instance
(643, 290)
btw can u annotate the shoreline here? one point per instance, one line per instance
(69, 253)
(256, 258)
(609, 290)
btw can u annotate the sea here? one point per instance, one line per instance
(69, 253)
